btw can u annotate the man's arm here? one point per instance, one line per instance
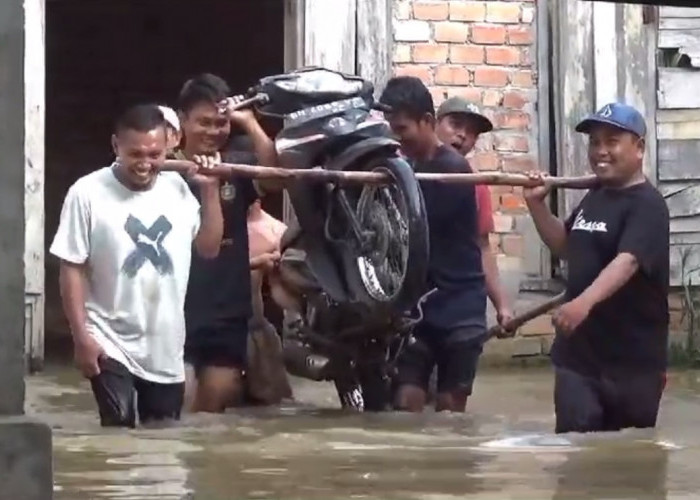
(211, 231)
(263, 146)
(493, 282)
(610, 279)
(72, 244)
(488, 258)
(71, 281)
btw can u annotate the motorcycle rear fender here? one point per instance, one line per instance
(360, 149)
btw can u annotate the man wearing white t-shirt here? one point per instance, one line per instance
(125, 241)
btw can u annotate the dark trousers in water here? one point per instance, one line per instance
(616, 400)
(119, 395)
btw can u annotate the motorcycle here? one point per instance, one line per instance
(355, 255)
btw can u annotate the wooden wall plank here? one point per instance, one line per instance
(678, 88)
(678, 130)
(374, 41)
(665, 12)
(685, 225)
(575, 91)
(670, 188)
(677, 115)
(679, 23)
(692, 261)
(636, 53)
(605, 52)
(330, 33)
(679, 160)
(669, 39)
(684, 202)
(34, 120)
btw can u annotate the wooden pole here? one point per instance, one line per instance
(508, 330)
(354, 177)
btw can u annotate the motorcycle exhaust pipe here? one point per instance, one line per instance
(300, 361)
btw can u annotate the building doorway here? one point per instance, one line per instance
(104, 55)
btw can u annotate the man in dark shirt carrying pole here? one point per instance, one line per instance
(453, 330)
(218, 304)
(611, 345)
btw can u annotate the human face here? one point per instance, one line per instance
(615, 155)
(206, 129)
(415, 136)
(459, 131)
(140, 155)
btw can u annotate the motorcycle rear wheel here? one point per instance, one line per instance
(393, 272)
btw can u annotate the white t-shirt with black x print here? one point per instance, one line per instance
(137, 247)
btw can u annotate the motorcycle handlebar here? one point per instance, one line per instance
(259, 99)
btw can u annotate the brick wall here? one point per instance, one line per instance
(483, 51)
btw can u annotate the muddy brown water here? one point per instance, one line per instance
(502, 449)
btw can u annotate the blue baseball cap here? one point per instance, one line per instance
(618, 115)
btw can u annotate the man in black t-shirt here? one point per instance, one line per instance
(218, 303)
(611, 345)
(453, 330)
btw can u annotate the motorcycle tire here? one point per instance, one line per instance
(413, 282)
(370, 392)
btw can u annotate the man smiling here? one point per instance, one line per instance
(125, 239)
(611, 344)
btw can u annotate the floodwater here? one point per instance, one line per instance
(502, 449)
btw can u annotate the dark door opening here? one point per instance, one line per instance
(104, 55)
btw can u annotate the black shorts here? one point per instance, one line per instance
(616, 400)
(222, 346)
(114, 390)
(455, 353)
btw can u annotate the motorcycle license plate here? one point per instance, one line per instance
(323, 110)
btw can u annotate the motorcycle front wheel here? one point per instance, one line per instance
(391, 271)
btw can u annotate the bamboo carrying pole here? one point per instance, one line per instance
(355, 177)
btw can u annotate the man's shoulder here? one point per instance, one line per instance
(87, 185)
(449, 160)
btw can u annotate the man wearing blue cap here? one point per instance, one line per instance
(611, 345)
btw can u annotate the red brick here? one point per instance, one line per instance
(518, 163)
(487, 160)
(490, 77)
(512, 202)
(492, 98)
(466, 54)
(519, 35)
(522, 78)
(402, 53)
(514, 99)
(509, 142)
(448, 31)
(417, 70)
(488, 34)
(439, 95)
(512, 245)
(431, 11)
(467, 11)
(503, 12)
(494, 241)
(471, 94)
(503, 56)
(452, 75)
(513, 119)
(430, 53)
